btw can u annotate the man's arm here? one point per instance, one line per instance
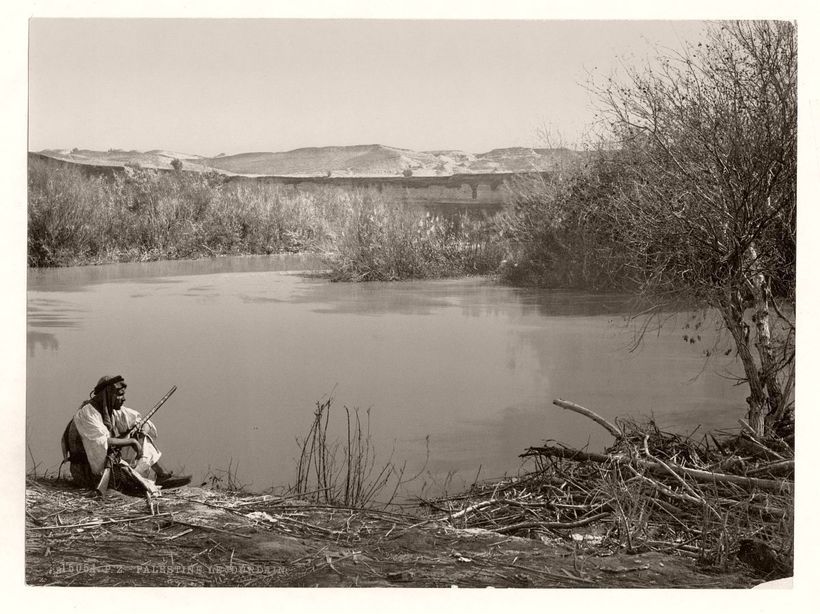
(96, 439)
(124, 442)
(126, 419)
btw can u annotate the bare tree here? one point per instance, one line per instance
(707, 207)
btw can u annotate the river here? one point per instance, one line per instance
(458, 375)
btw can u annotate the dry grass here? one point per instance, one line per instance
(198, 537)
(205, 537)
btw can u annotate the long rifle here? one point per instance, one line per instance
(142, 421)
(114, 455)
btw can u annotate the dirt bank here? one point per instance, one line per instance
(203, 537)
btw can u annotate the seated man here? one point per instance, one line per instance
(100, 433)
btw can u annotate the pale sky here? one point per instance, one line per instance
(210, 86)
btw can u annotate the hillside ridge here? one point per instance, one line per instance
(369, 160)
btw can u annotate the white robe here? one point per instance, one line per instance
(92, 430)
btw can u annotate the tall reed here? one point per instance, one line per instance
(344, 472)
(142, 214)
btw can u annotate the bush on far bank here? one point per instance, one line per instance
(382, 241)
(559, 231)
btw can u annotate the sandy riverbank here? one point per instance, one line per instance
(204, 537)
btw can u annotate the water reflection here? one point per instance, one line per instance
(76, 279)
(49, 312)
(376, 298)
(260, 299)
(681, 385)
(476, 297)
(45, 341)
(567, 303)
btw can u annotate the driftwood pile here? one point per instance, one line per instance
(724, 498)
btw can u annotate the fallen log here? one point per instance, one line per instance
(98, 523)
(784, 466)
(748, 438)
(535, 524)
(469, 509)
(696, 474)
(616, 432)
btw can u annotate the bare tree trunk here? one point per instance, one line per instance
(763, 343)
(732, 312)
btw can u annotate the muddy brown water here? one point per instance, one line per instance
(458, 375)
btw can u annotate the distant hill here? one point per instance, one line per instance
(346, 161)
(155, 158)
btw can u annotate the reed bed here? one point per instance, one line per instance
(141, 214)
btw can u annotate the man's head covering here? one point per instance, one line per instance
(118, 381)
(102, 401)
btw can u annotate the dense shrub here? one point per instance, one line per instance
(381, 240)
(560, 232)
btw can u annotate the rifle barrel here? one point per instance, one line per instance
(155, 408)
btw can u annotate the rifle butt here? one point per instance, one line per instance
(102, 486)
